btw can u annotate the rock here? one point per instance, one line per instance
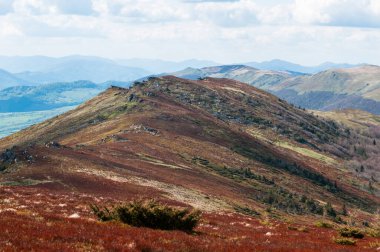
(52, 144)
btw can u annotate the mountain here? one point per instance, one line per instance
(255, 165)
(76, 68)
(7, 80)
(281, 65)
(355, 88)
(164, 66)
(259, 78)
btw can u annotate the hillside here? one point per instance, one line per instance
(355, 88)
(251, 162)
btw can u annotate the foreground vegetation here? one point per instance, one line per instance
(150, 214)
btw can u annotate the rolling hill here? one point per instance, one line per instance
(355, 88)
(8, 80)
(250, 161)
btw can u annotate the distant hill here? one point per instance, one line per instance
(281, 65)
(355, 88)
(164, 66)
(259, 78)
(8, 80)
(83, 68)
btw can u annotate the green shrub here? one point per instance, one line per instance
(323, 224)
(344, 241)
(150, 214)
(373, 232)
(351, 232)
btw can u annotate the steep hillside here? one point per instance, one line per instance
(218, 145)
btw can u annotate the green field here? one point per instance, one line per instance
(13, 122)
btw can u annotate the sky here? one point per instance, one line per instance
(308, 32)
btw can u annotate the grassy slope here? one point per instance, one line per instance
(361, 81)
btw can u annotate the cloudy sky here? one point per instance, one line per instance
(226, 31)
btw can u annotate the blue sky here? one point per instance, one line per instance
(304, 31)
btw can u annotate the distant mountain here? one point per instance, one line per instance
(255, 77)
(355, 88)
(8, 80)
(281, 65)
(49, 96)
(163, 66)
(83, 68)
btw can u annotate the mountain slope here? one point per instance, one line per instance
(214, 144)
(357, 88)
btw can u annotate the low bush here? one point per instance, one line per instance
(351, 232)
(373, 232)
(323, 224)
(345, 241)
(150, 214)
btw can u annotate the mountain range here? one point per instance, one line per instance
(255, 165)
(281, 65)
(346, 88)
(43, 70)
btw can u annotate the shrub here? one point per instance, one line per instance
(344, 241)
(373, 232)
(323, 224)
(351, 232)
(150, 214)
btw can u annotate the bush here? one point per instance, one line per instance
(373, 232)
(351, 232)
(150, 214)
(345, 241)
(323, 224)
